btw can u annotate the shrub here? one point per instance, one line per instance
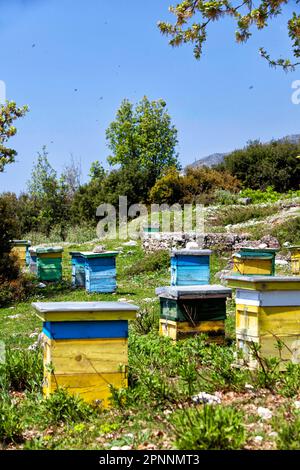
(239, 214)
(209, 428)
(156, 261)
(289, 231)
(15, 290)
(22, 370)
(61, 407)
(10, 423)
(289, 434)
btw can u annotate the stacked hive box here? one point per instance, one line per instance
(99, 270)
(148, 229)
(190, 267)
(191, 310)
(295, 259)
(49, 264)
(21, 249)
(267, 312)
(254, 261)
(86, 347)
(78, 269)
(33, 260)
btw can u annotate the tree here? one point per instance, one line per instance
(8, 114)
(144, 136)
(261, 165)
(193, 18)
(71, 176)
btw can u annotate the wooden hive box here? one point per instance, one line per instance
(267, 314)
(190, 267)
(191, 310)
(21, 249)
(85, 347)
(49, 264)
(33, 260)
(100, 271)
(295, 259)
(254, 261)
(78, 269)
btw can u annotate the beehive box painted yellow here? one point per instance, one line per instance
(21, 249)
(85, 347)
(267, 314)
(215, 330)
(295, 259)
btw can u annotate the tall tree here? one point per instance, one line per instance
(143, 135)
(8, 114)
(193, 18)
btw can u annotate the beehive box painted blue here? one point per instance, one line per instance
(100, 271)
(190, 310)
(78, 269)
(85, 347)
(190, 267)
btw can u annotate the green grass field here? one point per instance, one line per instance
(157, 410)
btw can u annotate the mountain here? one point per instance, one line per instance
(216, 158)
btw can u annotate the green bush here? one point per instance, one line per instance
(288, 231)
(11, 427)
(61, 407)
(225, 197)
(238, 214)
(15, 290)
(289, 434)
(211, 427)
(22, 370)
(151, 262)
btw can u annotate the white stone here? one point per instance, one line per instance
(206, 398)
(297, 404)
(191, 245)
(281, 262)
(264, 413)
(258, 439)
(130, 243)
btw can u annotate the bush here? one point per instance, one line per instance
(209, 428)
(239, 214)
(288, 231)
(61, 407)
(10, 423)
(289, 434)
(22, 370)
(15, 290)
(151, 262)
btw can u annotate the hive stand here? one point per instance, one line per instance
(267, 312)
(85, 347)
(49, 264)
(191, 310)
(254, 261)
(190, 267)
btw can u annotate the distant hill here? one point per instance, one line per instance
(216, 158)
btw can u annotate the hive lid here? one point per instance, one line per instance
(53, 249)
(21, 242)
(253, 254)
(193, 292)
(85, 311)
(258, 250)
(191, 252)
(91, 254)
(264, 282)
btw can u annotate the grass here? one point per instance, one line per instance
(163, 377)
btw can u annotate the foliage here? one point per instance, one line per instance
(289, 433)
(259, 166)
(268, 195)
(287, 231)
(209, 428)
(16, 289)
(143, 135)
(8, 114)
(22, 370)
(194, 17)
(61, 407)
(232, 215)
(156, 261)
(11, 427)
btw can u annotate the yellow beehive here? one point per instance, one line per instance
(21, 249)
(215, 330)
(85, 347)
(267, 318)
(295, 259)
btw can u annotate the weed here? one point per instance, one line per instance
(11, 427)
(289, 433)
(156, 261)
(22, 370)
(61, 407)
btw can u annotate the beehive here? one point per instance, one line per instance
(100, 271)
(78, 269)
(33, 260)
(190, 267)
(148, 229)
(21, 249)
(254, 261)
(295, 259)
(49, 264)
(85, 347)
(267, 318)
(191, 310)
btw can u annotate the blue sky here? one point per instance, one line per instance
(109, 51)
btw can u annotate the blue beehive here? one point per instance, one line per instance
(100, 271)
(78, 269)
(190, 267)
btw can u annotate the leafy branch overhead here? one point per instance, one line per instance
(194, 16)
(8, 114)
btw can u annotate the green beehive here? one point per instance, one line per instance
(49, 264)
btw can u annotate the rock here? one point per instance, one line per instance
(262, 245)
(130, 243)
(99, 249)
(41, 285)
(122, 300)
(206, 398)
(286, 244)
(297, 404)
(281, 262)
(264, 413)
(258, 439)
(12, 317)
(244, 200)
(249, 387)
(273, 434)
(191, 245)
